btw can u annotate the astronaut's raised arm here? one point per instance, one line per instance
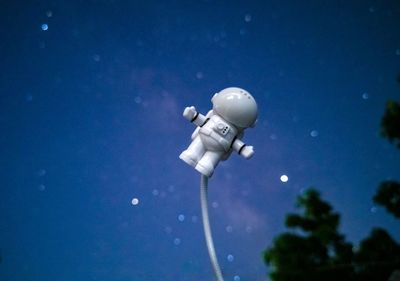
(191, 114)
(243, 149)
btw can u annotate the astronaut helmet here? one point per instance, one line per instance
(236, 106)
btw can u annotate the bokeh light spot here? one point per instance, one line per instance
(41, 172)
(249, 229)
(135, 201)
(168, 229)
(96, 57)
(273, 137)
(138, 100)
(247, 18)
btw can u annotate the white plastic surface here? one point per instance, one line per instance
(221, 130)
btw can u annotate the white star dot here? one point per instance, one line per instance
(135, 201)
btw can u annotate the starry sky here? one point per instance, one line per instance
(91, 126)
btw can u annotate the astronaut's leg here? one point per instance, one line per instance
(194, 152)
(208, 162)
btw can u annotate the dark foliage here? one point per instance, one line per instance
(388, 195)
(378, 256)
(318, 253)
(390, 124)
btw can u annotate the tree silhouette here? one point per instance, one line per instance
(317, 252)
(390, 123)
(388, 195)
(378, 256)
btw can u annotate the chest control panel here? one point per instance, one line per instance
(223, 128)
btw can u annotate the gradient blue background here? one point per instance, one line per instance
(90, 118)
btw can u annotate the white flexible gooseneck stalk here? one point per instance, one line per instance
(217, 134)
(207, 228)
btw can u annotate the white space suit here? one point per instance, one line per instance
(220, 131)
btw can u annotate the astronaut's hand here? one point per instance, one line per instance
(247, 152)
(189, 112)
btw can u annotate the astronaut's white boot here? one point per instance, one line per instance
(206, 170)
(187, 157)
(208, 162)
(193, 153)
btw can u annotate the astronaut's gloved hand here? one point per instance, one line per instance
(247, 151)
(189, 112)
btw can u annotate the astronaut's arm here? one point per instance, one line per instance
(194, 116)
(243, 149)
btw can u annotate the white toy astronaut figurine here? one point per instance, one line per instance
(221, 130)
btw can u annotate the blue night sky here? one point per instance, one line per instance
(91, 101)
